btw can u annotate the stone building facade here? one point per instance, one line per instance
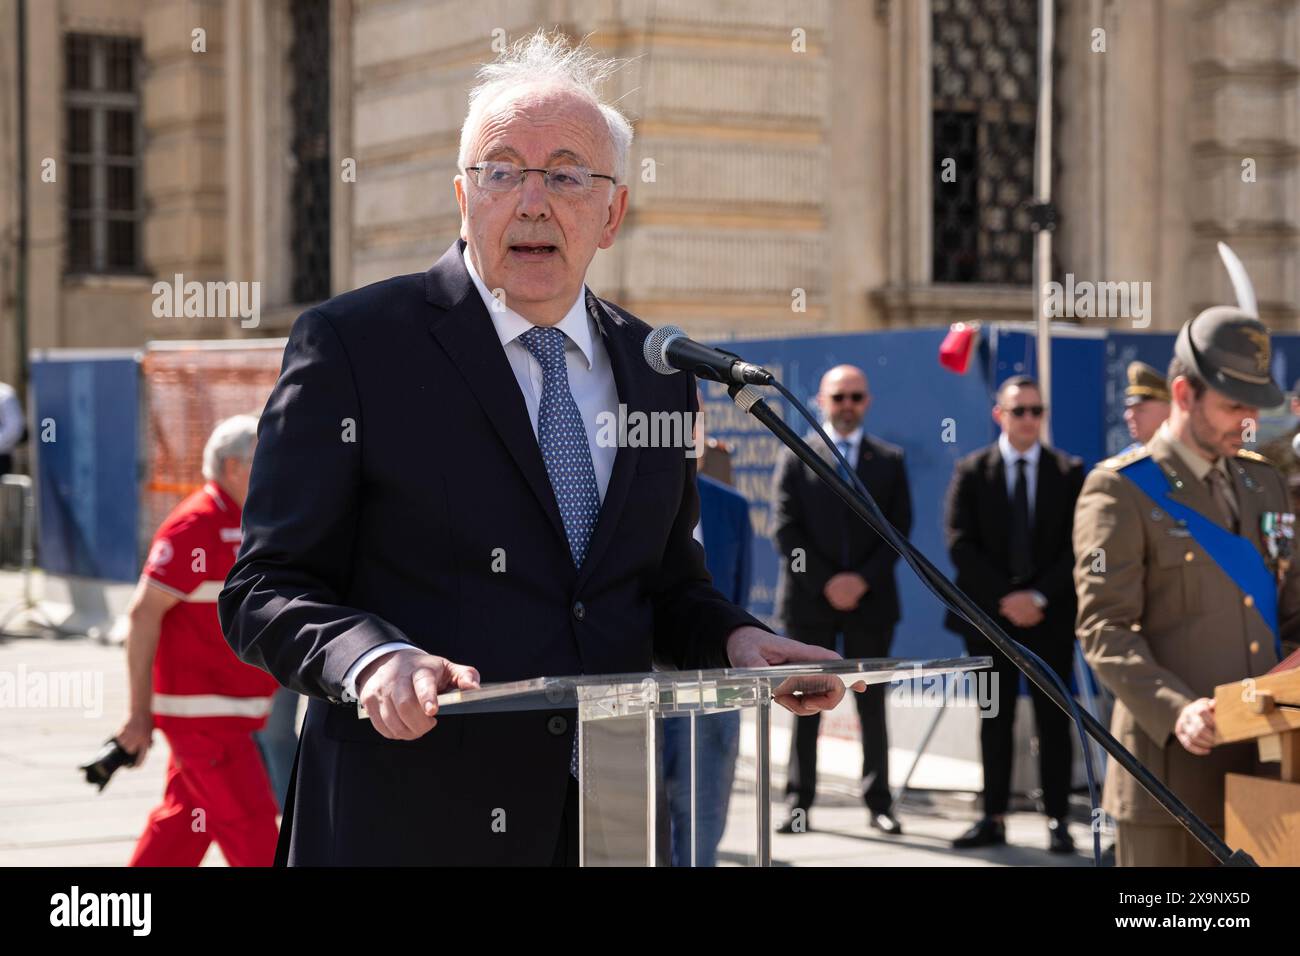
(785, 178)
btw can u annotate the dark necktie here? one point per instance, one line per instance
(847, 451)
(1021, 548)
(1219, 492)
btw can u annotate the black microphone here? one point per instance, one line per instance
(668, 351)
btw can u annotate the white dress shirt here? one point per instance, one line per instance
(591, 380)
(853, 439)
(1009, 458)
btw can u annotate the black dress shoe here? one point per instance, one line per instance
(796, 821)
(988, 832)
(1058, 836)
(885, 823)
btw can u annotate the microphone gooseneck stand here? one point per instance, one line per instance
(749, 400)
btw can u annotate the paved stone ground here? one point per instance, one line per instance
(840, 836)
(49, 815)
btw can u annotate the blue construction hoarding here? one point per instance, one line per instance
(915, 400)
(89, 468)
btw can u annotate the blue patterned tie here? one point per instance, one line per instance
(845, 449)
(562, 437)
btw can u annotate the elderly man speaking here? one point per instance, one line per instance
(430, 506)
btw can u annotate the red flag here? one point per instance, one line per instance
(958, 346)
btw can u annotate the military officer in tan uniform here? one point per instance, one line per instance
(1181, 560)
(1146, 401)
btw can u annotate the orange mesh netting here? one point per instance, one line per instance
(187, 390)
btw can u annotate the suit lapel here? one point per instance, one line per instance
(862, 468)
(866, 460)
(818, 444)
(630, 379)
(996, 475)
(464, 329)
(1045, 497)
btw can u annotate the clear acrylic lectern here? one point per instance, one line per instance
(624, 820)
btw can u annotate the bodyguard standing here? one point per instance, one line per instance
(1185, 582)
(1008, 528)
(837, 578)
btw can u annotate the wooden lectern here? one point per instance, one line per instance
(1262, 815)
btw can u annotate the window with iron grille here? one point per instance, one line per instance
(309, 61)
(102, 149)
(984, 94)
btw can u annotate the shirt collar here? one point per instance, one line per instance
(1197, 463)
(853, 438)
(509, 324)
(219, 495)
(1009, 454)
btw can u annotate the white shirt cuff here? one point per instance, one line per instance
(350, 678)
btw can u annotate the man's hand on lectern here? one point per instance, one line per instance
(400, 691)
(754, 647)
(1195, 726)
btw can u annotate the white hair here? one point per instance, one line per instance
(232, 438)
(547, 60)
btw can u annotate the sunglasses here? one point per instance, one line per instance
(854, 397)
(1020, 411)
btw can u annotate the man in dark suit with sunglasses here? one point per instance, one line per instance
(1008, 519)
(837, 582)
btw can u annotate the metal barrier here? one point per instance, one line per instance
(20, 487)
(12, 522)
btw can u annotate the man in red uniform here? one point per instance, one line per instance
(186, 681)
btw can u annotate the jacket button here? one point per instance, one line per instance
(579, 610)
(1248, 600)
(557, 725)
(1254, 647)
(1189, 556)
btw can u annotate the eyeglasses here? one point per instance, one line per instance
(1020, 411)
(561, 180)
(853, 397)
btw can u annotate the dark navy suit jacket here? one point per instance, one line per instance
(728, 538)
(807, 515)
(396, 467)
(977, 524)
